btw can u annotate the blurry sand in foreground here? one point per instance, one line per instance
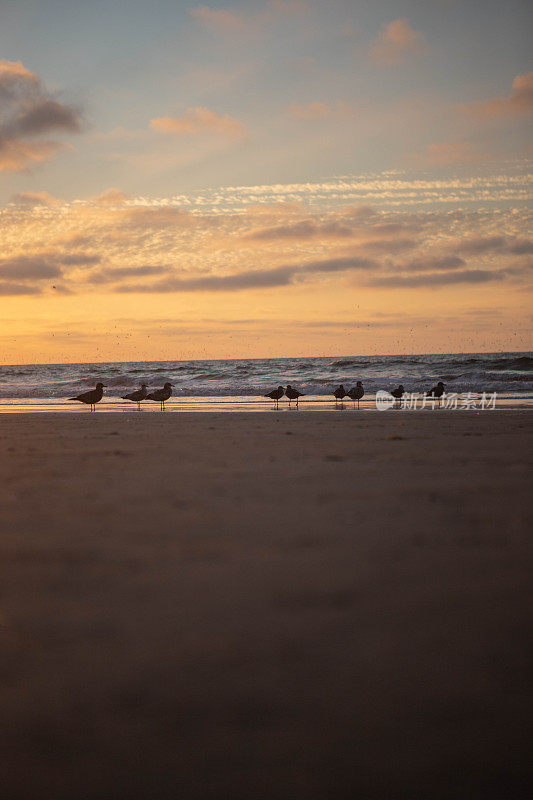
(264, 606)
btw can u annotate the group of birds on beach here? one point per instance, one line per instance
(160, 396)
(354, 394)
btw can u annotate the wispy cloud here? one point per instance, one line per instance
(112, 197)
(254, 279)
(34, 199)
(200, 120)
(236, 22)
(39, 266)
(446, 154)
(440, 279)
(221, 20)
(478, 245)
(398, 42)
(7, 288)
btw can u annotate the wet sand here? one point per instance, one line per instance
(265, 606)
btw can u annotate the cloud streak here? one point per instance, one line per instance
(253, 279)
(200, 120)
(473, 276)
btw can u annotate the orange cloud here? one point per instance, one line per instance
(519, 101)
(15, 69)
(200, 120)
(32, 199)
(111, 197)
(16, 156)
(397, 42)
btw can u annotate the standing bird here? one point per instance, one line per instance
(161, 395)
(92, 397)
(356, 393)
(293, 394)
(437, 391)
(398, 393)
(137, 396)
(276, 394)
(339, 394)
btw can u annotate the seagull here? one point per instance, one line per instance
(398, 393)
(293, 394)
(137, 396)
(276, 394)
(339, 393)
(356, 393)
(161, 395)
(437, 391)
(92, 397)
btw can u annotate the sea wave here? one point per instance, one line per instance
(248, 377)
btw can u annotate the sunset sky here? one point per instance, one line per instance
(249, 179)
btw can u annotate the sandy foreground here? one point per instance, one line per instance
(266, 606)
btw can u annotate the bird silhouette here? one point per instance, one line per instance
(276, 394)
(356, 393)
(437, 391)
(92, 397)
(339, 394)
(137, 396)
(293, 394)
(161, 395)
(398, 393)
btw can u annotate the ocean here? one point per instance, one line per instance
(232, 383)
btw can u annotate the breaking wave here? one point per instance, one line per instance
(476, 372)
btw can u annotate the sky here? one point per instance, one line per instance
(253, 179)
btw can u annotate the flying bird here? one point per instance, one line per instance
(92, 397)
(137, 396)
(276, 394)
(339, 393)
(437, 391)
(356, 393)
(293, 394)
(161, 395)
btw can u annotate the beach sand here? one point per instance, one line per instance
(266, 606)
